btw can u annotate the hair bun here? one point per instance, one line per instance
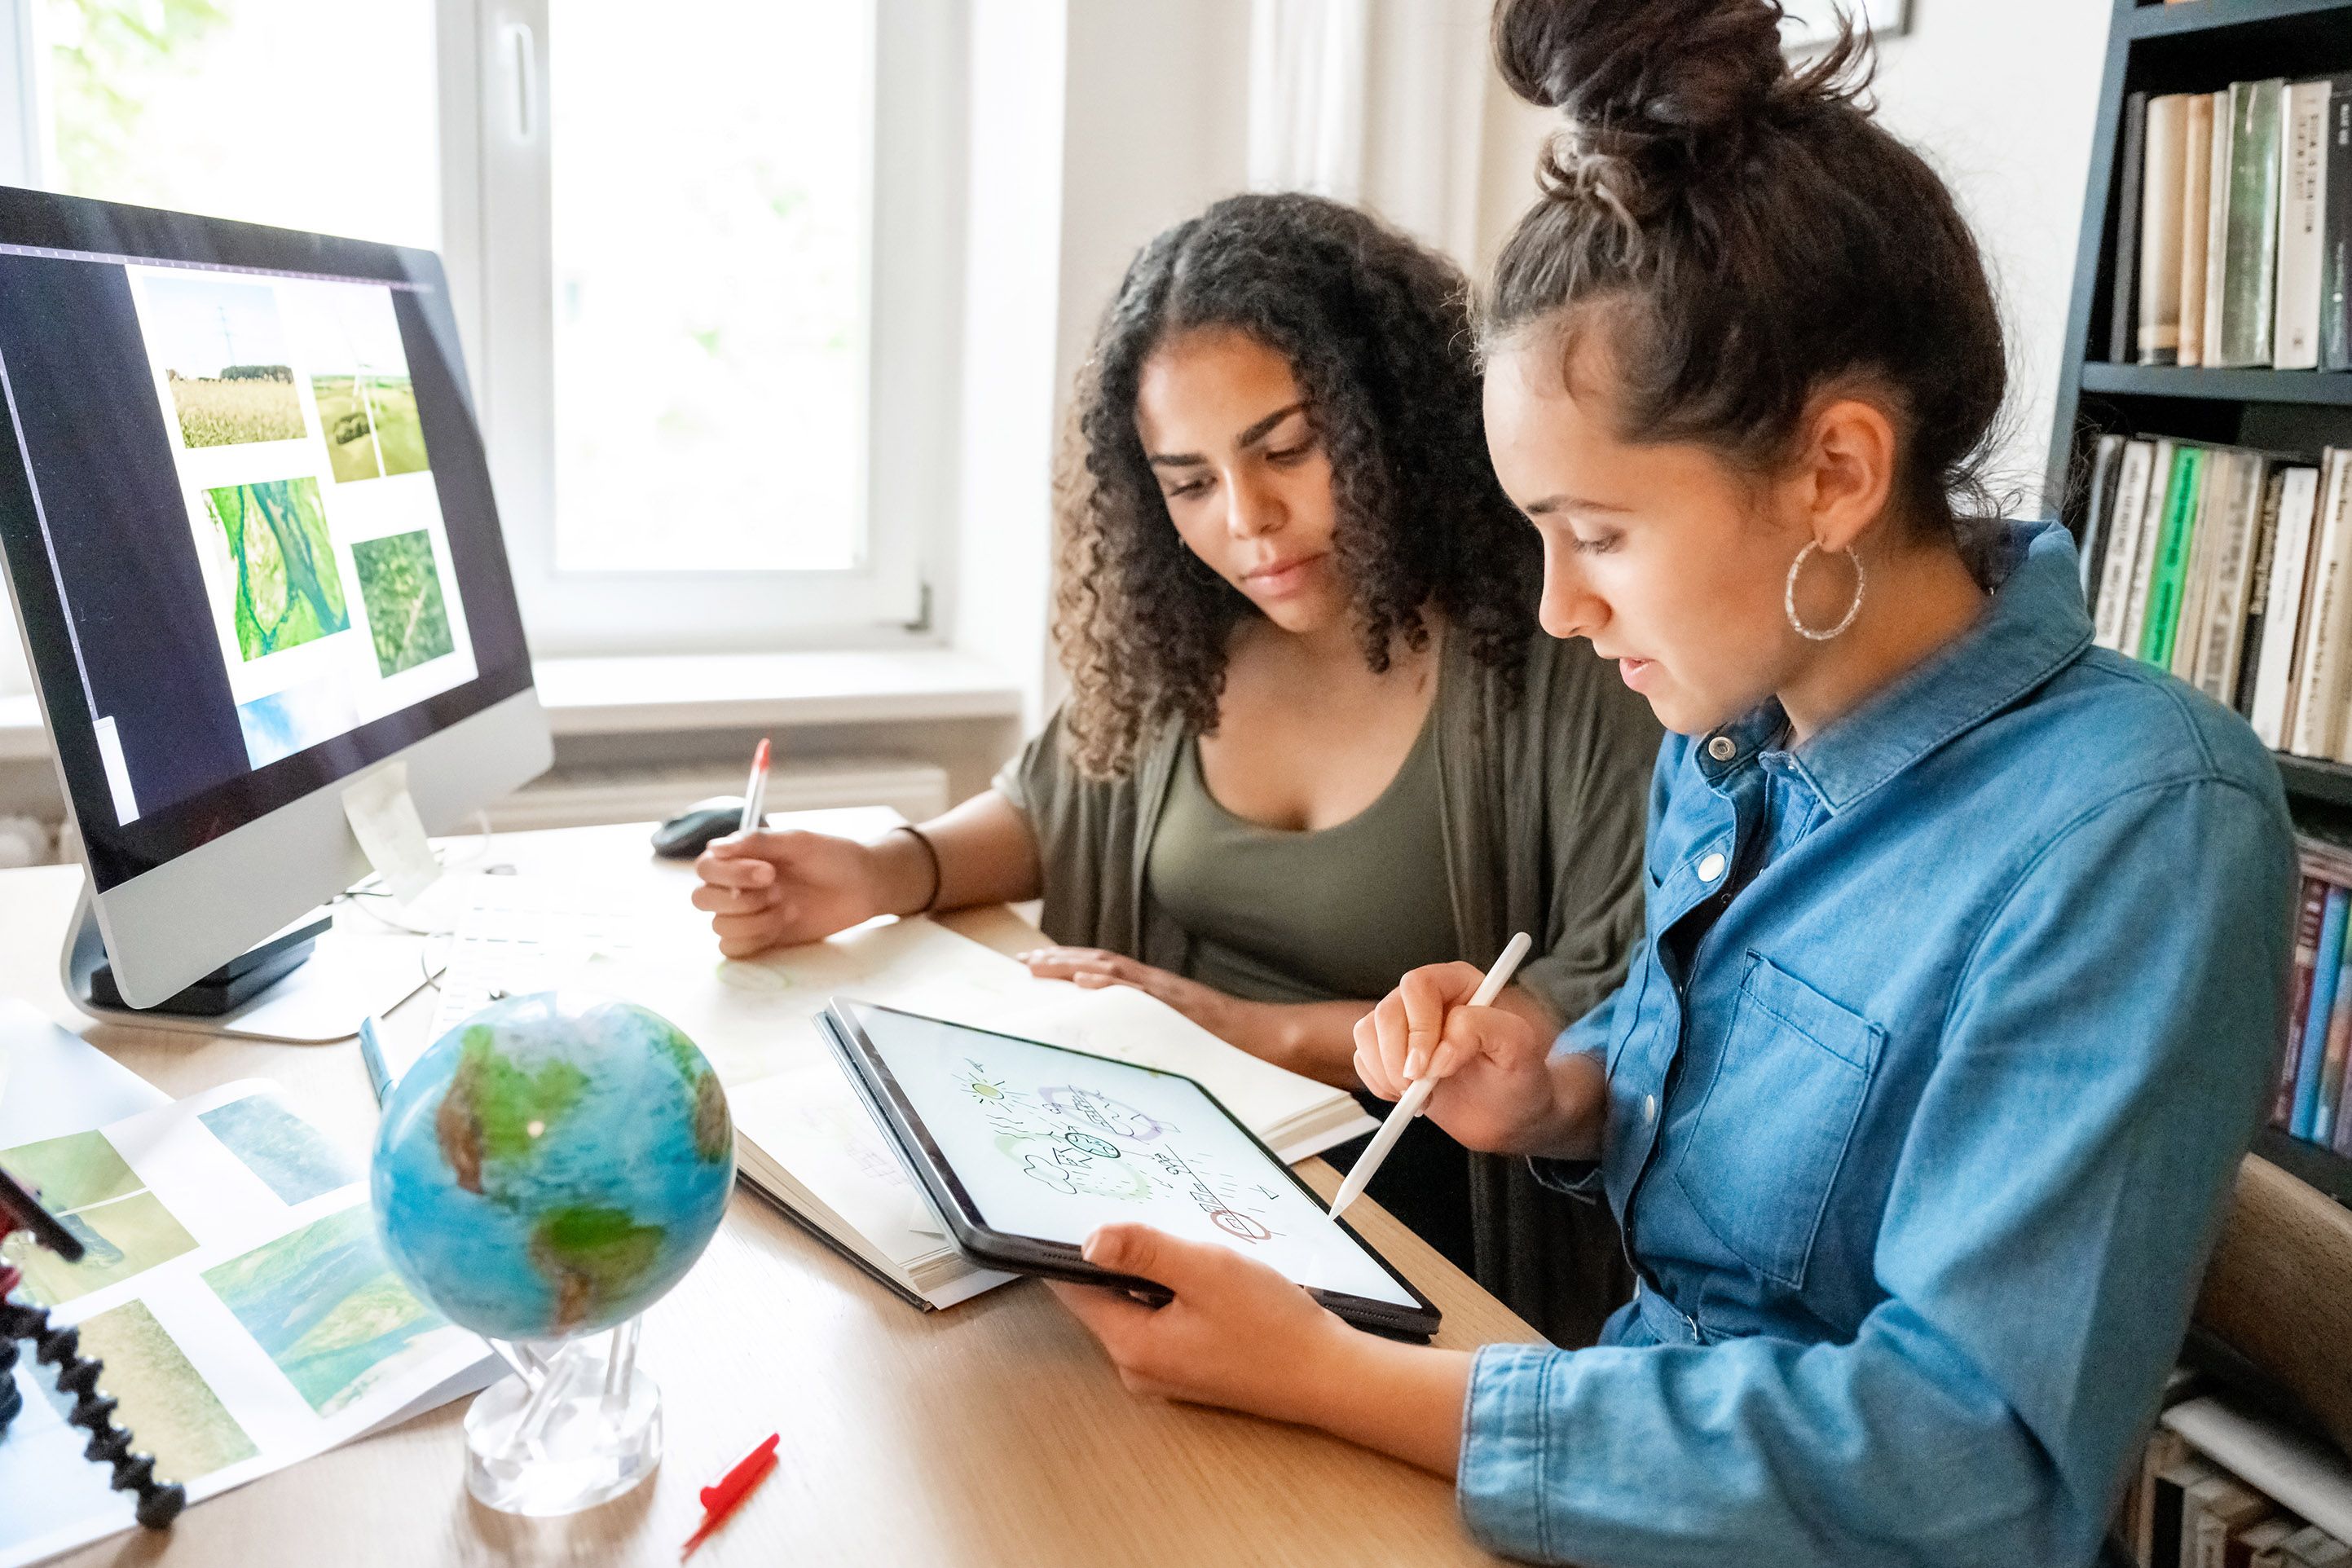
(1655, 91)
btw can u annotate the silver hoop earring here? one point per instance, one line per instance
(1788, 597)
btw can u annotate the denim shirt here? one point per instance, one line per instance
(1927, 1087)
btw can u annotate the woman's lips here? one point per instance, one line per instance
(1283, 578)
(1635, 670)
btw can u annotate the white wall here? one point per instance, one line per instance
(1096, 125)
(1999, 95)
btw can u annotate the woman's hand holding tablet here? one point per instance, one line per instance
(1026, 1150)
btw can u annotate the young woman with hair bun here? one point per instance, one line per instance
(1920, 1102)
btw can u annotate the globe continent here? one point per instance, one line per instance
(552, 1166)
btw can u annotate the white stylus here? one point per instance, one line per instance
(1417, 1095)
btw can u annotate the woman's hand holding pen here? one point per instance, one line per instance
(1499, 1089)
(772, 890)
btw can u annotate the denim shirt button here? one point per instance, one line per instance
(1710, 868)
(1722, 748)
(1649, 1107)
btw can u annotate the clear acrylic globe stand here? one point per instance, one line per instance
(577, 1425)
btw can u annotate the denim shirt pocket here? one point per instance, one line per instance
(1773, 1128)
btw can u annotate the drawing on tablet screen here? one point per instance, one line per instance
(1077, 1140)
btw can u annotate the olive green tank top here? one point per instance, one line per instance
(1340, 913)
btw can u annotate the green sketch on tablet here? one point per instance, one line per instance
(1050, 1143)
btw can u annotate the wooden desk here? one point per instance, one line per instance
(992, 1433)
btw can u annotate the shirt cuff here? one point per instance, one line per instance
(1507, 1438)
(1576, 1178)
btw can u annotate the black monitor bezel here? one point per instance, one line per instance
(110, 231)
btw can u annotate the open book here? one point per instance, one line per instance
(804, 1140)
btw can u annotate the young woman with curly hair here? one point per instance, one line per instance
(1314, 736)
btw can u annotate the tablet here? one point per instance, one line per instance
(1024, 1148)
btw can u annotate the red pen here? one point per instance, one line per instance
(755, 791)
(737, 1484)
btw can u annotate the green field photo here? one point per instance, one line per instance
(371, 425)
(402, 589)
(246, 403)
(124, 1229)
(221, 345)
(287, 589)
(160, 1398)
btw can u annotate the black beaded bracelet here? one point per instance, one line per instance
(930, 849)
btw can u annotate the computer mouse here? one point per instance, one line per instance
(690, 833)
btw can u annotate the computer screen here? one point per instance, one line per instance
(247, 515)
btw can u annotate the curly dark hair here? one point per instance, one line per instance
(1378, 332)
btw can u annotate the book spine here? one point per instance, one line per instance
(2335, 244)
(2123, 312)
(2195, 187)
(2151, 531)
(2247, 307)
(2303, 200)
(2172, 557)
(2158, 342)
(2282, 617)
(2331, 1056)
(2115, 572)
(2258, 596)
(2233, 561)
(2319, 682)
(2199, 570)
(2343, 1140)
(2106, 457)
(2315, 1016)
(2217, 219)
(2308, 917)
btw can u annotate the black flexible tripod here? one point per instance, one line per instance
(78, 1374)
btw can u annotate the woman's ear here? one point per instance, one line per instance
(1846, 469)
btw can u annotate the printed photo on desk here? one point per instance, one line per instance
(234, 1288)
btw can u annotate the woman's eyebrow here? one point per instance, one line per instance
(1244, 442)
(1551, 504)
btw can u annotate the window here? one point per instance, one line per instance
(720, 301)
(280, 111)
(706, 264)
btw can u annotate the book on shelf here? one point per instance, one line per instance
(2303, 216)
(2320, 663)
(2309, 1100)
(2219, 1487)
(2123, 317)
(2231, 568)
(2233, 242)
(2251, 250)
(2107, 457)
(2158, 342)
(2335, 240)
(2215, 216)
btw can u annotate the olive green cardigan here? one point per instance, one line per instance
(1542, 803)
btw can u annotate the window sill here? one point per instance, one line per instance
(623, 696)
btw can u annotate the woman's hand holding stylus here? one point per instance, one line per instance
(1497, 1089)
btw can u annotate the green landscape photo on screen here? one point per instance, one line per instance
(222, 347)
(370, 425)
(285, 588)
(407, 617)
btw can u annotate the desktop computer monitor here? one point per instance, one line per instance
(249, 538)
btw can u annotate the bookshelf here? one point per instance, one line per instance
(2202, 45)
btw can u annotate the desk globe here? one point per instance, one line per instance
(547, 1171)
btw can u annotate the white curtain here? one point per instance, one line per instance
(1376, 101)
